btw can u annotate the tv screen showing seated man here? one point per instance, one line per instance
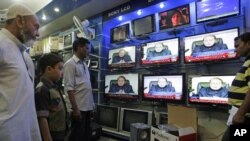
(210, 46)
(122, 57)
(210, 89)
(121, 85)
(160, 52)
(163, 87)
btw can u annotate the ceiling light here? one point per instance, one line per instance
(139, 12)
(44, 17)
(162, 4)
(56, 9)
(120, 18)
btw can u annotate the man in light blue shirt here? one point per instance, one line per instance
(18, 118)
(78, 87)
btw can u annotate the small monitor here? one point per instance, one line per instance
(160, 52)
(175, 17)
(163, 87)
(215, 9)
(129, 116)
(212, 46)
(143, 25)
(68, 39)
(108, 117)
(209, 89)
(120, 33)
(122, 57)
(122, 86)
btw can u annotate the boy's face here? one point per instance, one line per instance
(57, 71)
(242, 48)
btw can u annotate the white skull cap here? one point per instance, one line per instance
(18, 9)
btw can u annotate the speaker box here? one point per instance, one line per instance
(139, 132)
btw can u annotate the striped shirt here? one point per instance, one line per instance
(240, 85)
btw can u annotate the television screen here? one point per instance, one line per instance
(211, 46)
(122, 57)
(122, 86)
(110, 120)
(143, 25)
(174, 17)
(215, 9)
(160, 52)
(163, 87)
(210, 89)
(129, 116)
(68, 39)
(120, 33)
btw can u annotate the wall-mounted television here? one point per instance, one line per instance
(120, 33)
(129, 116)
(122, 86)
(209, 89)
(215, 9)
(163, 87)
(174, 17)
(108, 117)
(68, 39)
(160, 52)
(143, 25)
(212, 46)
(122, 57)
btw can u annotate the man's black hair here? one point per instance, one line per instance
(245, 37)
(79, 42)
(50, 59)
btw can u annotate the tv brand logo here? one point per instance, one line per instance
(239, 132)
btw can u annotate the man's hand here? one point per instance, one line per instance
(77, 115)
(238, 119)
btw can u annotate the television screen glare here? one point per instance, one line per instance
(160, 52)
(175, 17)
(143, 25)
(210, 46)
(215, 9)
(122, 57)
(210, 89)
(120, 33)
(110, 120)
(122, 86)
(163, 87)
(129, 116)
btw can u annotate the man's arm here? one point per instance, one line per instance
(76, 111)
(239, 117)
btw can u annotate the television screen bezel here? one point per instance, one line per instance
(122, 114)
(144, 44)
(122, 65)
(123, 96)
(126, 30)
(207, 61)
(152, 22)
(181, 101)
(204, 103)
(118, 117)
(171, 10)
(217, 18)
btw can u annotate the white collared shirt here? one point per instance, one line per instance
(76, 77)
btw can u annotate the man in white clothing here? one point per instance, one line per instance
(18, 119)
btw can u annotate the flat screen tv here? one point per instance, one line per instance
(129, 116)
(215, 9)
(120, 33)
(122, 86)
(163, 87)
(108, 117)
(174, 17)
(122, 57)
(209, 89)
(143, 25)
(160, 52)
(212, 46)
